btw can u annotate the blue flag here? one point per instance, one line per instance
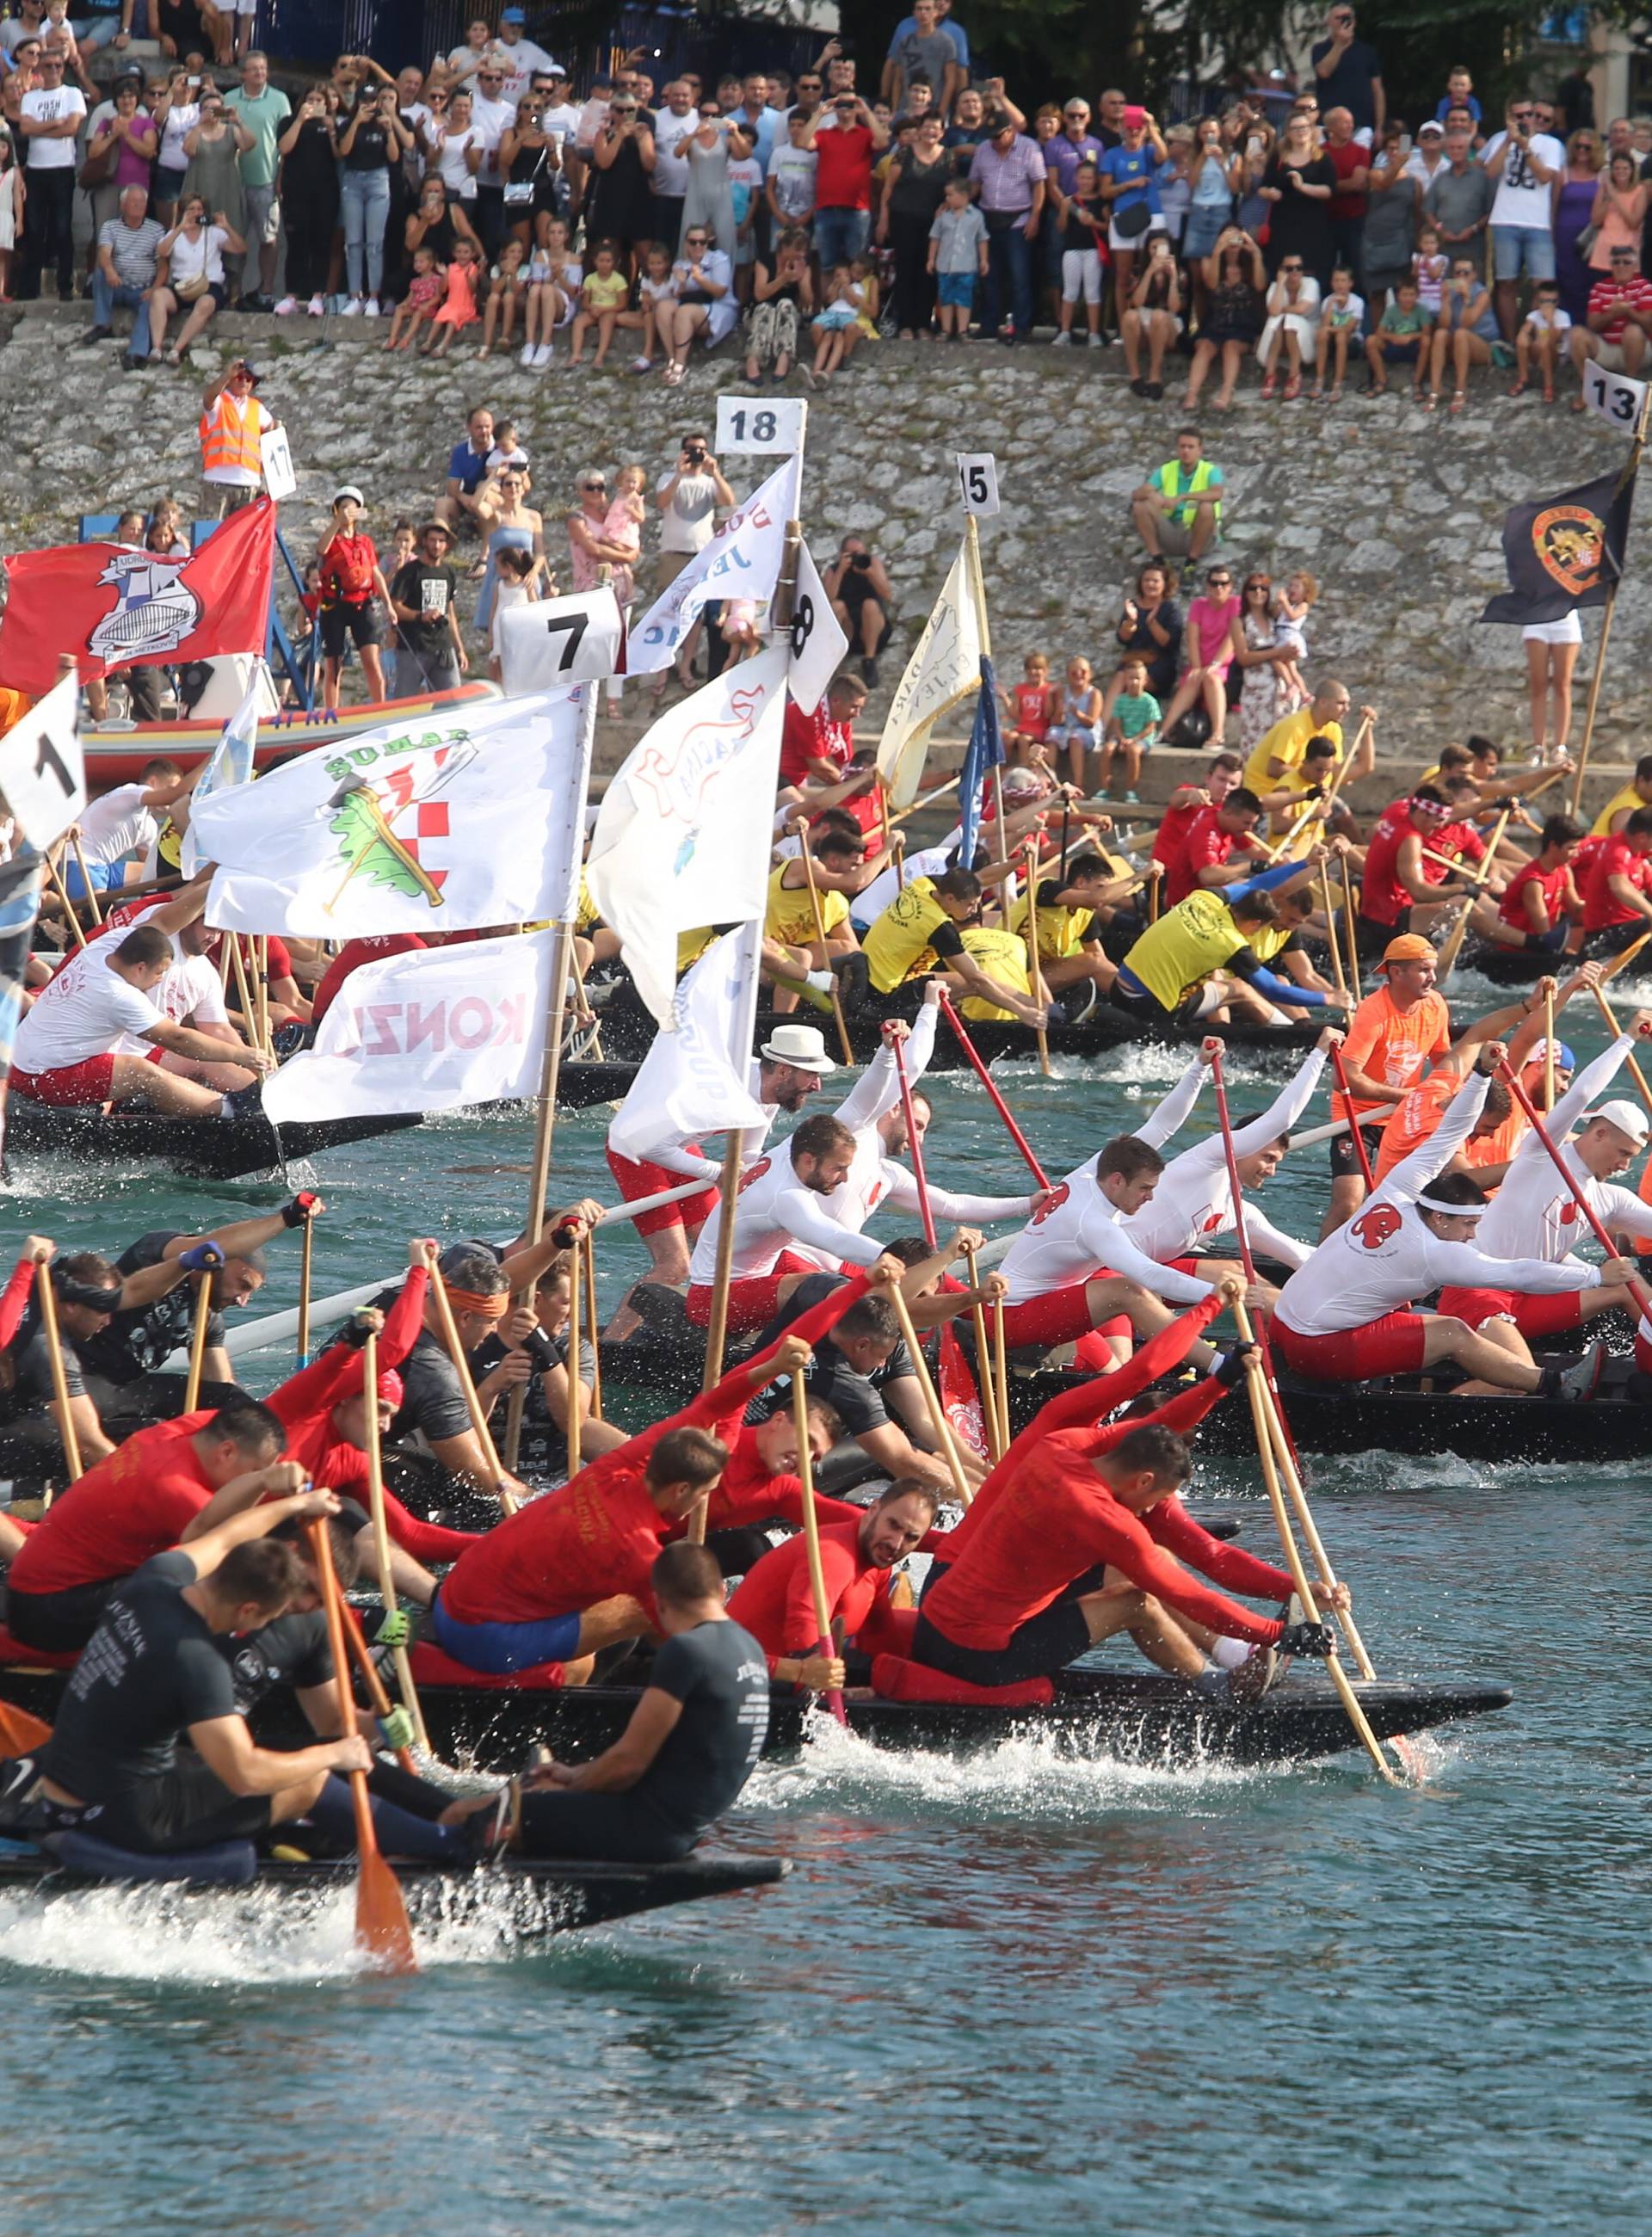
(986, 751)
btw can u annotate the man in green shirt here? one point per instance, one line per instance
(1178, 510)
(264, 111)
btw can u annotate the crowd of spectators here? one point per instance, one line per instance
(1314, 233)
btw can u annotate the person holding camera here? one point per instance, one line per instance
(1297, 185)
(373, 139)
(863, 599)
(1522, 165)
(688, 499)
(354, 598)
(846, 139)
(621, 207)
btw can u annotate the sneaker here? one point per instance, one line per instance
(285, 307)
(1132, 799)
(317, 307)
(642, 365)
(131, 364)
(254, 303)
(372, 311)
(868, 673)
(1263, 1670)
(1094, 342)
(353, 308)
(545, 355)
(1062, 341)
(528, 356)
(1580, 1381)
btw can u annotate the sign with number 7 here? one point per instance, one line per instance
(560, 641)
(43, 771)
(978, 480)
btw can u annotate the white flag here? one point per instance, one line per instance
(945, 667)
(683, 836)
(444, 823)
(43, 771)
(741, 561)
(426, 1031)
(231, 763)
(818, 644)
(693, 1080)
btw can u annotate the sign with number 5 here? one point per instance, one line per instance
(978, 480)
(1615, 399)
(43, 771)
(560, 641)
(749, 423)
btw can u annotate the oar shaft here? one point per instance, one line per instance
(1358, 1138)
(1040, 994)
(367, 1837)
(381, 1546)
(811, 1537)
(983, 1370)
(588, 1244)
(48, 1298)
(198, 1343)
(942, 1428)
(1000, 1375)
(306, 1259)
(988, 1082)
(914, 1140)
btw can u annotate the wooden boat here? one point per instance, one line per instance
(205, 1149)
(1399, 1415)
(551, 1897)
(117, 757)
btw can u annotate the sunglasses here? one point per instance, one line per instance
(1219, 582)
(593, 485)
(1290, 267)
(696, 241)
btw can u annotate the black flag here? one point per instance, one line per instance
(1564, 551)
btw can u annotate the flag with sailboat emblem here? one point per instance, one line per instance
(682, 838)
(441, 824)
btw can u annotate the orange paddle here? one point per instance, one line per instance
(20, 1733)
(381, 1927)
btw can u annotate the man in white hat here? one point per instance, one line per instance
(792, 1065)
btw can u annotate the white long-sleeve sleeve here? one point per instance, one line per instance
(1169, 1117)
(683, 1161)
(1116, 1250)
(797, 1210)
(877, 1091)
(1270, 1241)
(1412, 1175)
(1286, 1110)
(901, 1187)
(1462, 1266)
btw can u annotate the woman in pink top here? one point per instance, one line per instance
(1213, 640)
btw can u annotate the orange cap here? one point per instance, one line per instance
(1410, 948)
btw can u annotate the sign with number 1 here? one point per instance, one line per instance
(43, 771)
(978, 480)
(749, 423)
(1614, 398)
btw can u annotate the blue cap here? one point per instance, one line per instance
(514, 16)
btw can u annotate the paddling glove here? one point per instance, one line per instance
(1309, 1639)
(301, 1208)
(396, 1729)
(1229, 1370)
(396, 1631)
(201, 1259)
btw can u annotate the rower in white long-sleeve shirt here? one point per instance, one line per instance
(1348, 1314)
(1535, 1214)
(802, 1208)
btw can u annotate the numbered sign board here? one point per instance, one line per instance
(818, 645)
(753, 423)
(279, 479)
(978, 480)
(1612, 397)
(43, 771)
(560, 641)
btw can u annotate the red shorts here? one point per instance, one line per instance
(751, 1302)
(1642, 1353)
(1391, 1345)
(90, 1081)
(1059, 1316)
(637, 1178)
(1538, 1315)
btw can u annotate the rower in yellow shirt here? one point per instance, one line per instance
(1277, 758)
(842, 866)
(1072, 910)
(1619, 809)
(921, 932)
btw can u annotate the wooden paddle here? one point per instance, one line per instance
(374, 1684)
(942, 1428)
(1549, 1045)
(1331, 941)
(817, 909)
(92, 901)
(20, 1733)
(1453, 945)
(588, 1244)
(1262, 1422)
(990, 1416)
(198, 1342)
(1001, 1372)
(48, 1297)
(306, 1255)
(381, 1927)
(987, 1082)
(811, 1538)
(576, 1381)
(507, 1497)
(381, 1527)
(1040, 993)
(1616, 1032)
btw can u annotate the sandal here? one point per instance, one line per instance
(1428, 402)
(1459, 397)
(1268, 386)
(673, 374)
(1335, 396)
(1520, 387)
(1292, 389)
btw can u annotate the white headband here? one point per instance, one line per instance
(1426, 1202)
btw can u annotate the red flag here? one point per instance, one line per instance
(111, 607)
(960, 1400)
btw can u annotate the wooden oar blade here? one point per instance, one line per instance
(381, 1927)
(20, 1733)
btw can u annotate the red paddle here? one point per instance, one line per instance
(986, 1079)
(1358, 1138)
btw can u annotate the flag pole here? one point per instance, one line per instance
(551, 1066)
(1632, 464)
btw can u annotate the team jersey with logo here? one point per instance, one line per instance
(1535, 1211)
(1194, 1200)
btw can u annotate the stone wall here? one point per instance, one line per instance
(1397, 512)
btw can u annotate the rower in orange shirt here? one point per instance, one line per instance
(1395, 1036)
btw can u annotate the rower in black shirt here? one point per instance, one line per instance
(87, 1291)
(692, 1742)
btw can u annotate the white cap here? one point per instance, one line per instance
(1627, 1117)
(802, 1046)
(348, 489)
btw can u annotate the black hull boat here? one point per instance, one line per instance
(546, 1897)
(204, 1148)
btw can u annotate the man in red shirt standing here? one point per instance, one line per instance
(1616, 906)
(355, 599)
(1619, 317)
(844, 143)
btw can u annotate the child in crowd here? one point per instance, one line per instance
(403, 537)
(1084, 229)
(1131, 729)
(459, 309)
(1540, 338)
(1459, 94)
(508, 449)
(1289, 610)
(1030, 706)
(12, 193)
(421, 303)
(1075, 720)
(554, 281)
(1430, 268)
(871, 293)
(830, 326)
(1340, 317)
(654, 286)
(745, 193)
(507, 289)
(1402, 332)
(958, 258)
(602, 296)
(515, 585)
(623, 523)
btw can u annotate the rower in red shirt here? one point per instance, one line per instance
(761, 1483)
(775, 1602)
(161, 1488)
(1617, 909)
(568, 1573)
(1170, 840)
(1540, 898)
(1214, 834)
